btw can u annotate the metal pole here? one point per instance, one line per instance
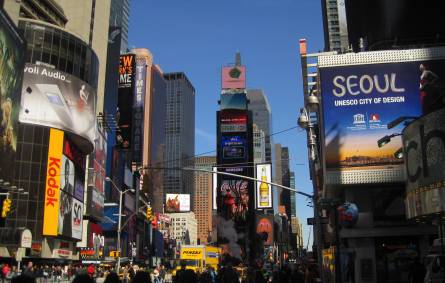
(118, 265)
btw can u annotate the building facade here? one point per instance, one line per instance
(334, 25)
(203, 197)
(262, 117)
(179, 133)
(259, 145)
(184, 228)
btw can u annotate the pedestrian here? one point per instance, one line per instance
(156, 277)
(83, 278)
(5, 271)
(162, 272)
(112, 277)
(90, 270)
(141, 277)
(227, 275)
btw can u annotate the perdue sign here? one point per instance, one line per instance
(191, 253)
(52, 194)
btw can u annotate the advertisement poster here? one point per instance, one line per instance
(233, 147)
(125, 96)
(79, 184)
(52, 191)
(76, 220)
(12, 54)
(214, 187)
(265, 226)
(235, 101)
(233, 77)
(138, 109)
(177, 203)
(358, 103)
(59, 100)
(233, 121)
(263, 190)
(65, 214)
(67, 176)
(95, 193)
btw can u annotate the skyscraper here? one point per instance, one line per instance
(259, 145)
(293, 203)
(334, 25)
(119, 17)
(282, 177)
(203, 196)
(89, 19)
(179, 133)
(261, 116)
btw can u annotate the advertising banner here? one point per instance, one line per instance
(214, 187)
(263, 190)
(234, 147)
(12, 60)
(125, 97)
(52, 194)
(233, 77)
(265, 225)
(76, 222)
(358, 102)
(177, 202)
(67, 176)
(138, 109)
(424, 142)
(233, 121)
(59, 100)
(65, 214)
(193, 253)
(233, 101)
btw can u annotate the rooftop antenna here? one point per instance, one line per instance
(238, 59)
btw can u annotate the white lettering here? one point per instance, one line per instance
(341, 87)
(377, 85)
(349, 85)
(370, 84)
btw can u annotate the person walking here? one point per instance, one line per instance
(112, 277)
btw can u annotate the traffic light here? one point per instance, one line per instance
(149, 213)
(6, 207)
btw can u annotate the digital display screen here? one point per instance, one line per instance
(233, 147)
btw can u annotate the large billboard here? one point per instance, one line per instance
(233, 77)
(52, 190)
(177, 202)
(124, 115)
(424, 149)
(138, 109)
(263, 189)
(233, 121)
(264, 225)
(59, 100)
(237, 101)
(358, 102)
(12, 59)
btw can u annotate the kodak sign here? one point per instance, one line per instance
(52, 193)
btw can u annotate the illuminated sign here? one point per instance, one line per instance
(53, 171)
(232, 121)
(263, 189)
(177, 202)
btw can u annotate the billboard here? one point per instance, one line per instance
(52, 194)
(138, 109)
(265, 225)
(76, 219)
(12, 54)
(233, 77)
(233, 121)
(177, 202)
(358, 102)
(424, 142)
(125, 98)
(263, 190)
(237, 101)
(59, 100)
(234, 146)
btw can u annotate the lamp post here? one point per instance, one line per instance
(119, 223)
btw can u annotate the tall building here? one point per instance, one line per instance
(179, 133)
(89, 19)
(184, 227)
(203, 197)
(282, 177)
(259, 145)
(293, 201)
(334, 25)
(120, 17)
(262, 117)
(40, 10)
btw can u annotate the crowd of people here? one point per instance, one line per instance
(134, 274)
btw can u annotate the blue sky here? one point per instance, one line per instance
(199, 36)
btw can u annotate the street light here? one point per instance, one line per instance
(386, 139)
(119, 228)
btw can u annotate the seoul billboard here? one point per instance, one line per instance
(12, 60)
(177, 202)
(59, 100)
(358, 103)
(233, 77)
(263, 189)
